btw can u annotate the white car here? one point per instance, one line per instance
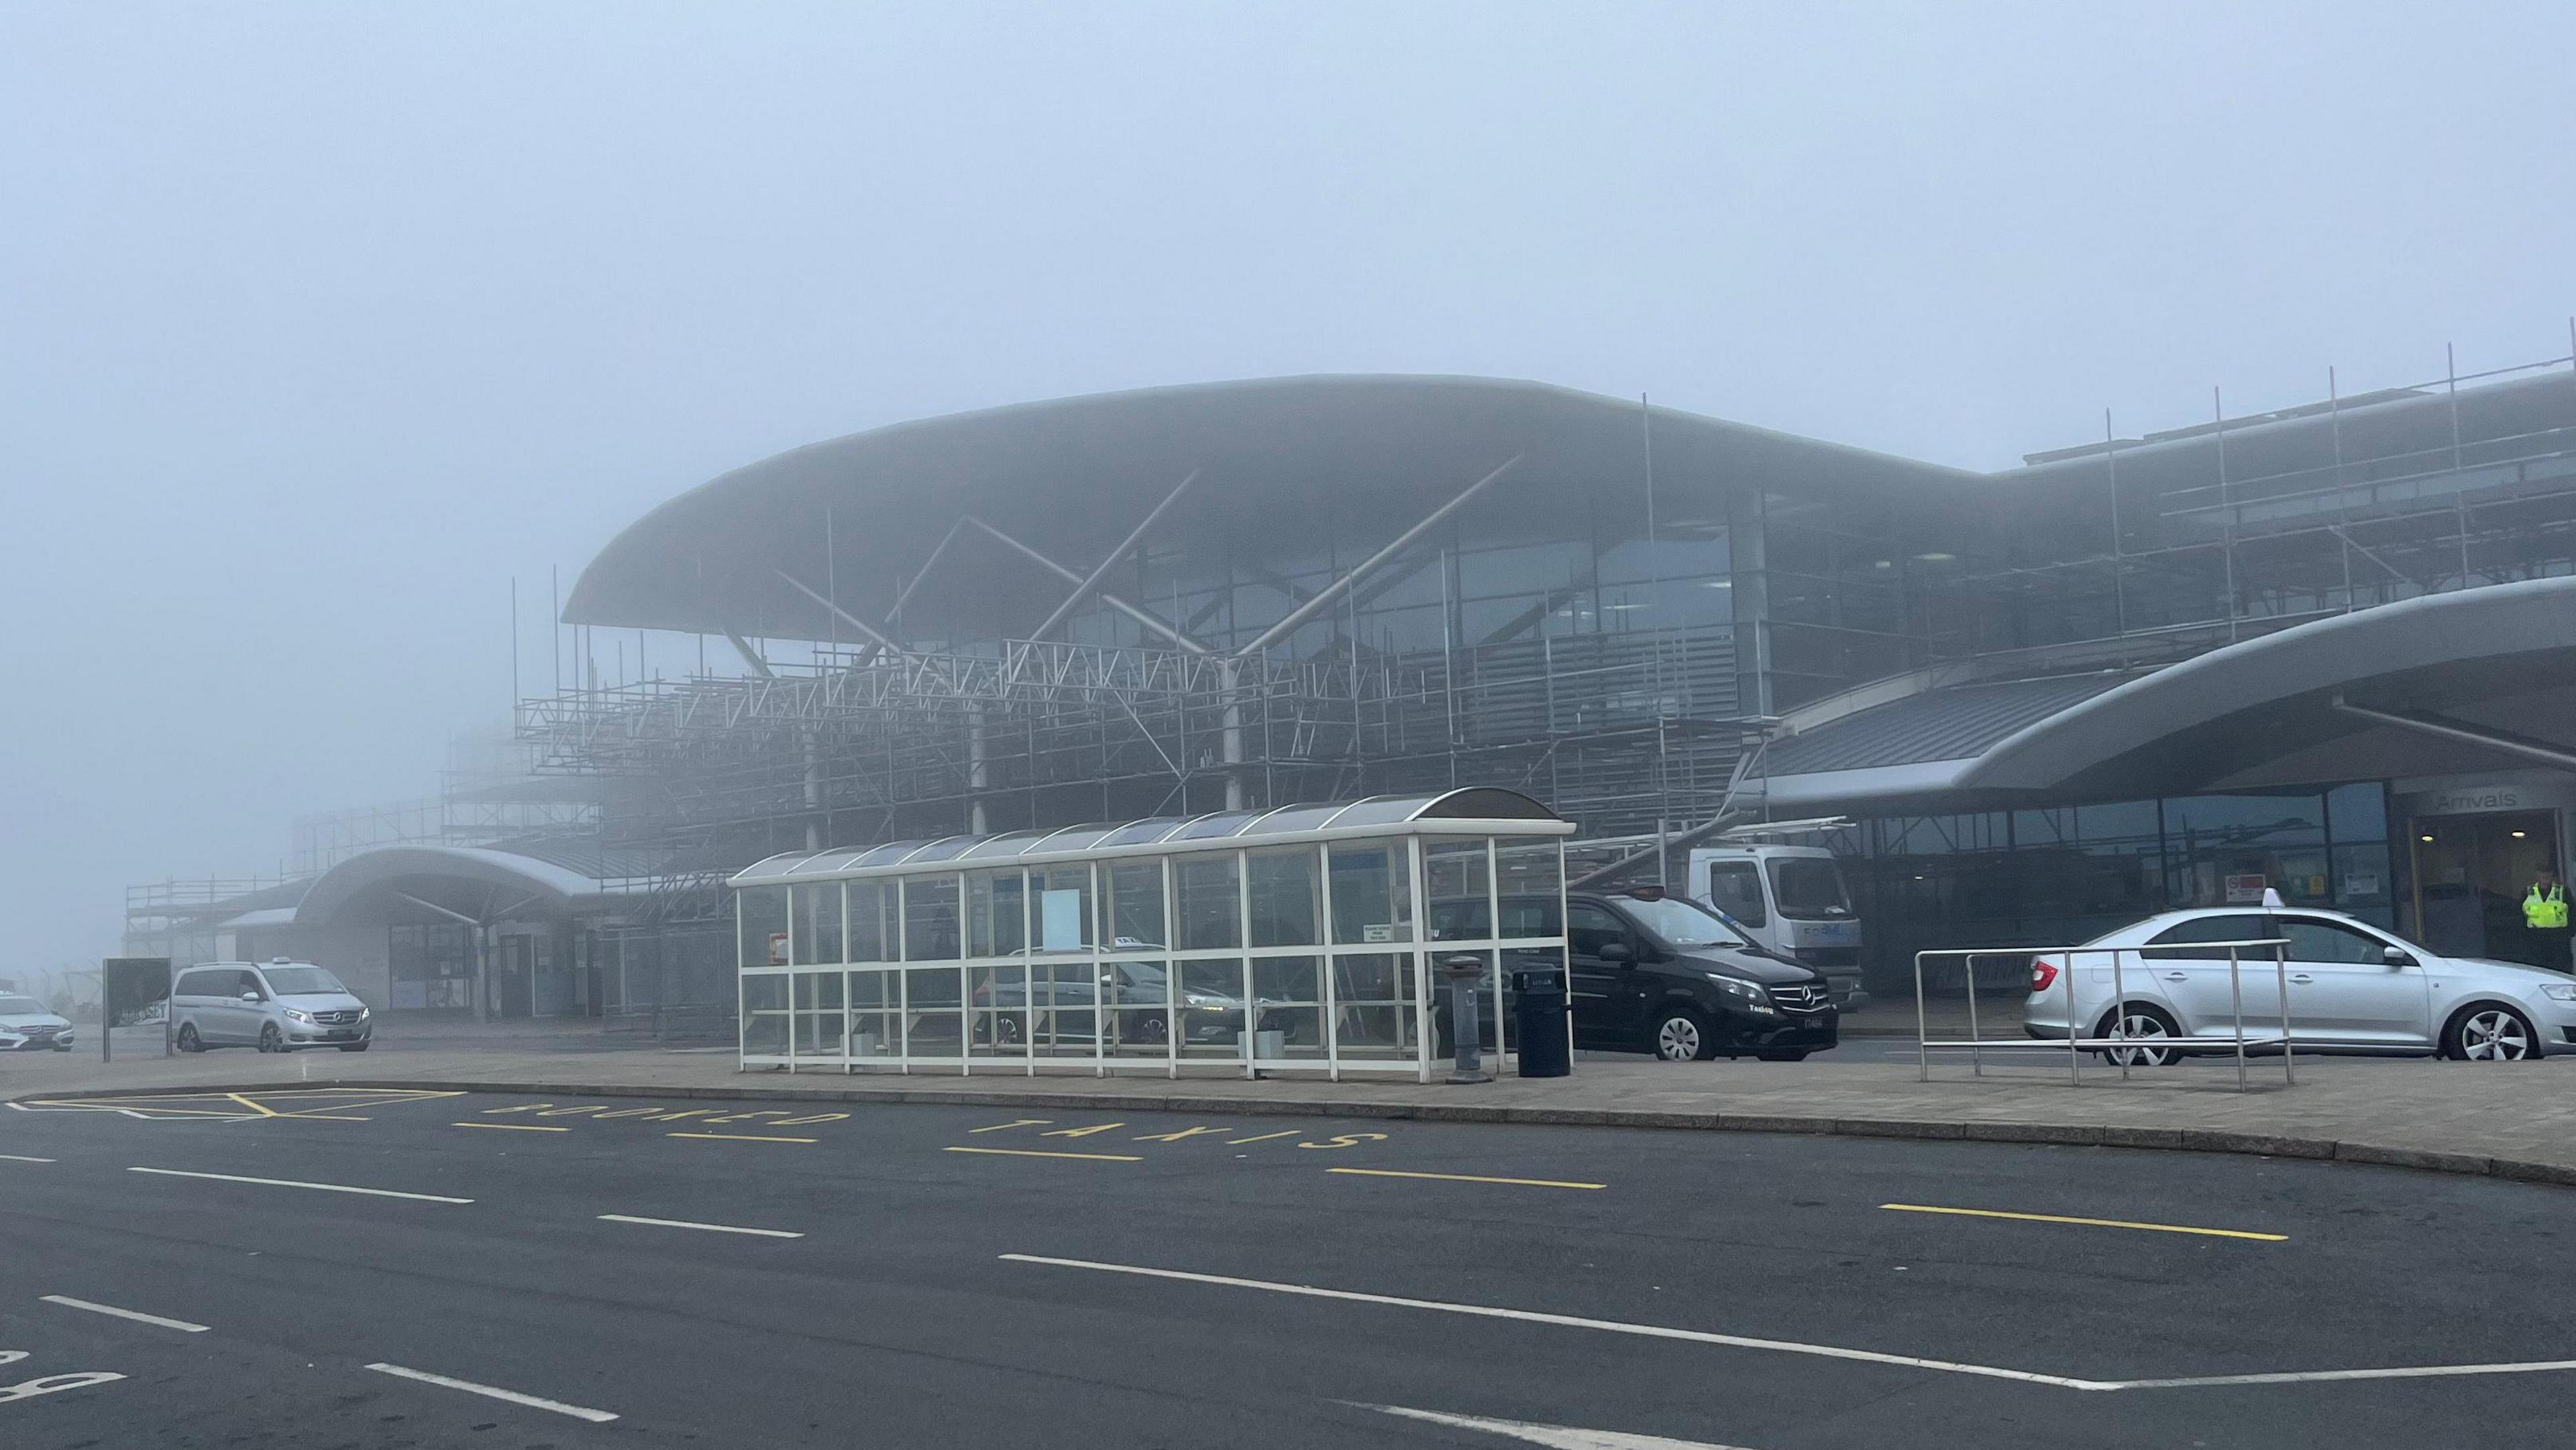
(25, 1026)
(2354, 987)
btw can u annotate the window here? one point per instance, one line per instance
(2327, 941)
(1810, 888)
(1736, 889)
(930, 920)
(1589, 928)
(303, 982)
(1680, 922)
(2174, 939)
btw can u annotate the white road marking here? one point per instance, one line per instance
(137, 1315)
(2314, 1376)
(713, 1228)
(1556, 1437)
(1819, 1351)
(23, 1158)
(298, 1183)
(1570, 1321)
(596, 1417)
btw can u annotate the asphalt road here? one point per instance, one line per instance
(922, 1276)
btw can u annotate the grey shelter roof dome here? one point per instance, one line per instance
(1078, 473)
(1472, 810)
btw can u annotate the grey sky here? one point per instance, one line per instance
(318, 323)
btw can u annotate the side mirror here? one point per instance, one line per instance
(250, 996)
(1617, 954)
(2396, 956)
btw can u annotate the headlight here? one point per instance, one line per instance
(2559, 991)
(292, 1015)
(362, 1014)
(1206, 1001)
(1748, 993)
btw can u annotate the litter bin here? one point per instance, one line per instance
(1540, 1020)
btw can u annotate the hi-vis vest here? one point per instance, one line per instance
(2549, 910)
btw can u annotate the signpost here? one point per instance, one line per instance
(127, 985)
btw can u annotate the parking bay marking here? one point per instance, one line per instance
(1464, 1178)
(1556, 1437)
(1043, 1153)
(744, 1137)
(23, 1158)
(298, 1183)
(1790, 1346)
(137, 1315)
(713, 1228)
(534, 1402)
(513, 1127)
(2162, 1228)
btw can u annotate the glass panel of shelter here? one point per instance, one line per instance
(1312, 942)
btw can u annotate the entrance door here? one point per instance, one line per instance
(510, 983)
(2471, 873)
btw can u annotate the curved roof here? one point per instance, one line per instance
(2195, 724)
(1473, 810)
(857, 513)
(385, 866)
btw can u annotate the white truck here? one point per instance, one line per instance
(1790, 900)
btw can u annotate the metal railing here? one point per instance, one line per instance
(2119, 1047)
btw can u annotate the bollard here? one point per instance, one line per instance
(1462, 971)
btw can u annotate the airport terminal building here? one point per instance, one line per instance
(2325, 651)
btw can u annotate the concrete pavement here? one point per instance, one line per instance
(2507, 1120)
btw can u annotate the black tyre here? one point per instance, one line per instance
(1152, 1031)
(2490, 1032)
(2142, 1022)
(1680, 1034)
(270, 1039)
(189, 1041)
(353, 1047)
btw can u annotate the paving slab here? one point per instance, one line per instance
(2504, 1120)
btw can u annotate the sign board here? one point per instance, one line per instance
(133, 992)
(1060, 920)
(778, 948)
(2245, 890)
(2461, 800)
(1378, 931)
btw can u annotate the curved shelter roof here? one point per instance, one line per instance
(856, 514)
(2496, 658)
(1472, 811)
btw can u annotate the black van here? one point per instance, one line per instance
(1663, 974)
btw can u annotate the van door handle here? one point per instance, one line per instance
(2177, 976)
(2301, 977)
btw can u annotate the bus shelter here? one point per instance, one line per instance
(1305, 938)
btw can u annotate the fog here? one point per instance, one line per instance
(320, 324)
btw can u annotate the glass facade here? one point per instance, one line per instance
(2069, 873)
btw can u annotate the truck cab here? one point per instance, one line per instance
(1791, 900)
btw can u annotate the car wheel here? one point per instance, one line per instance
(353, 1047)
(2142, 1022)
(2487, 1032)
(1798, 1054)
(270, 1039)
(1154, 1031)
(1006, 1031)
(189, 1041)
(1681, 1035)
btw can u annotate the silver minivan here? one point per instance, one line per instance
(276, 1006)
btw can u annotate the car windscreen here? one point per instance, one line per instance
(1810, 888)
(301, 981)
(20, 1007)
(1679, 922)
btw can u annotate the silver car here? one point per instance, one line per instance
(276, 1006)
(2354, 987)
(25, 1026)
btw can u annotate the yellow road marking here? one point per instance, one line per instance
(1042, 1153)
(318, 1117)
(1264, 1138)
(512, 1127)
(1465, 1178)
(2162, 1228)
(744, 1137)
(1013, 1123)
(263, 1109)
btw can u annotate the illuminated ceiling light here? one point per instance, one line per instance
(2518, 835)
(2427, 838)
(1936, 557)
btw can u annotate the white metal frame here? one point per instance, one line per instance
(1100, 955)
(2075, 1045)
